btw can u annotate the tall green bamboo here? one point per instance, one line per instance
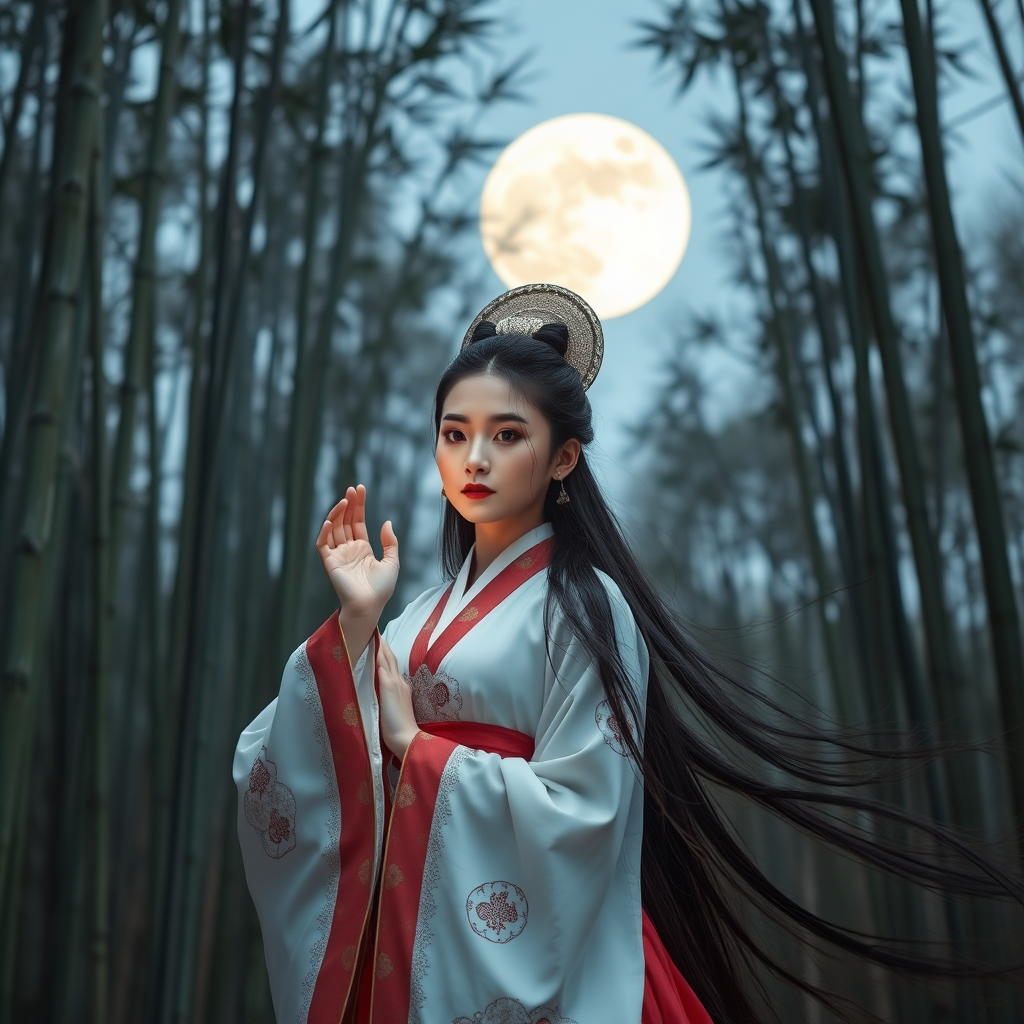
(49, 409)
(1004, 625)
(219, 680)
(101, 619)
(17, 362)
(850, 135)
(173, 886)
(306, 370)
(792, 414)
(144, 282)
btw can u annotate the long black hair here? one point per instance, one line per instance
(708, 733)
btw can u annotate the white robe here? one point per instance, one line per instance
(506, 890)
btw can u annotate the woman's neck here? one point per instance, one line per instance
(493, 538)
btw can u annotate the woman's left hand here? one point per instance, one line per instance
(397, 718)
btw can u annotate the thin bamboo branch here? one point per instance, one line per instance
(1003, 58)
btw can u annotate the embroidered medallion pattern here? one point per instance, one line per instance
(511, 1011)
(611, 728)
(497, 911)
(270, 807)
(435, 696)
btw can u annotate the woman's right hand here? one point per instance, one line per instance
(362, 582)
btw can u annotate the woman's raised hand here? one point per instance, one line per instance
(362, 582)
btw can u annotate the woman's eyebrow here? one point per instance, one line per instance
(458, 417)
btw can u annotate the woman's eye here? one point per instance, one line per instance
(453, 435)
(508, 434)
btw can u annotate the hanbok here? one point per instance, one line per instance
(493, 877)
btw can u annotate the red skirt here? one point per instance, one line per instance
(667, 997)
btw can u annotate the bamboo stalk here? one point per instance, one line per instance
(1004, 625)
(850, 135)
(174, 889)
(203, 843)
(291, 571)
(28, 615)
(101, 620)
(19, 363)
(144, 284)
(167, 720)
(784, 372)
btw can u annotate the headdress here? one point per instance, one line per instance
(529, 307)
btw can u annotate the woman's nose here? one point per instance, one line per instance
(476, 457)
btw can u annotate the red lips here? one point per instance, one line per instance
(476, 491)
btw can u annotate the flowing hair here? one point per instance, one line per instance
(709, 734)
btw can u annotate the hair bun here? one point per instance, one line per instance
(555, 335)
(484, 329)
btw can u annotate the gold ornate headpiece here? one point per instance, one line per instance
(529, 307)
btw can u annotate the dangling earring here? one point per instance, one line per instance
(563, 497)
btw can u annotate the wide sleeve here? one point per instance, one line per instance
(310, 820)
(522, 875)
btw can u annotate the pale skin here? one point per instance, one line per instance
(489, 438)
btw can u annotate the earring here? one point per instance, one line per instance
(443, 495)
(563, 497)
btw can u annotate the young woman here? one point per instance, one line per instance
(494, 813)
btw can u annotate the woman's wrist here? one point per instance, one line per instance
(404, 743)
(357, 627)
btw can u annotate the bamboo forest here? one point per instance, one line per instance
(234, 241)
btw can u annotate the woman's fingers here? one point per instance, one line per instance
(346, 521)
(323, 538)
(388, 656)
(389, 542)
(359, 515)
(335, 514)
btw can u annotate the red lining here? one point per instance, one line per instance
(329, 660)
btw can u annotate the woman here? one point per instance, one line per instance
(448, 822)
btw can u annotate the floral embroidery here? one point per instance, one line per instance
(497, 911)
(270, 807)
(384, 966)
(435, 697)
(611, 728)
(511, 1011)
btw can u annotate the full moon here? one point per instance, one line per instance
(589, 202)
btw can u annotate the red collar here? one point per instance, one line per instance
(513, 576)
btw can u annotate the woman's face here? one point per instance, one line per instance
(494, 452)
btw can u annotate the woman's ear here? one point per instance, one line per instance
(566, 458)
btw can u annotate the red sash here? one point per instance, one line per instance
(493, 739)
(514, 575)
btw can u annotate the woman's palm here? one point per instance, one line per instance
(359, 578)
